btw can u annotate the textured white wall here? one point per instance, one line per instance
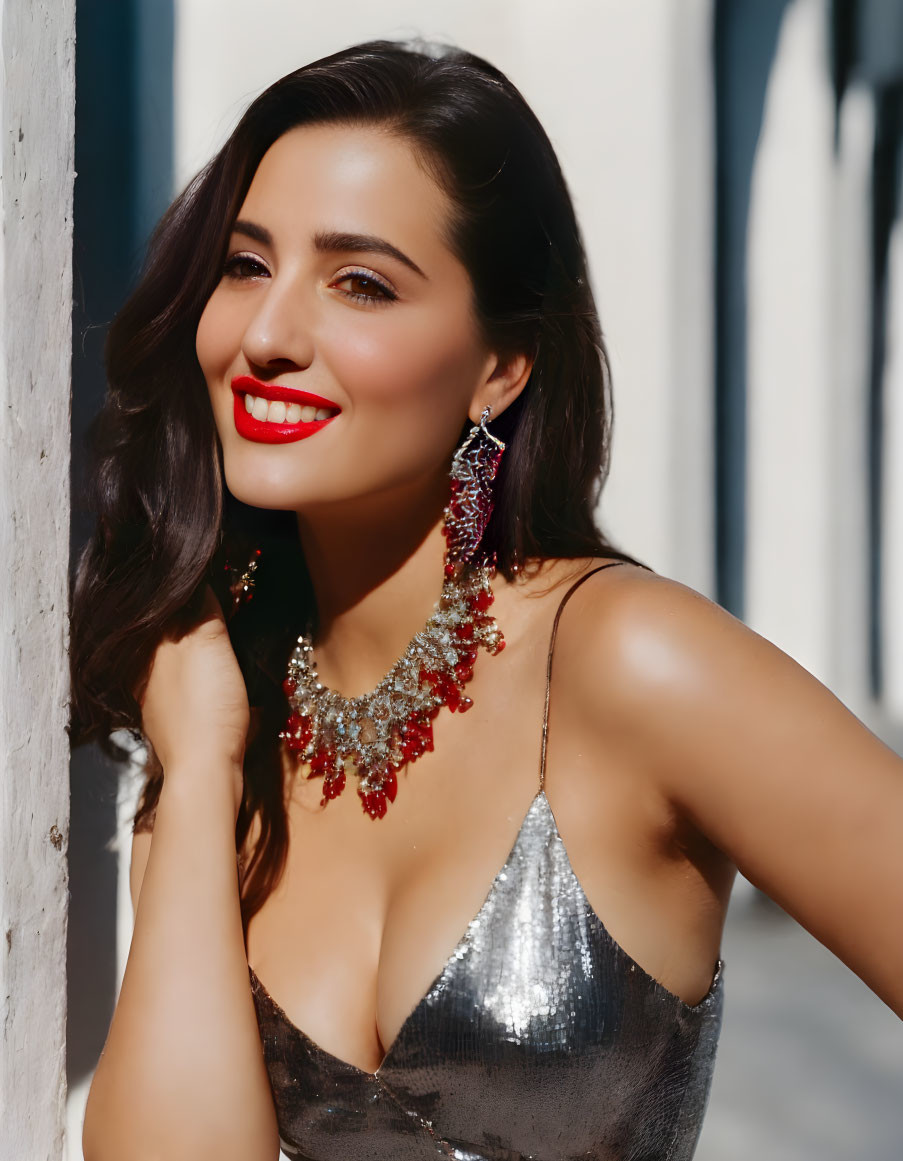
(37, 97)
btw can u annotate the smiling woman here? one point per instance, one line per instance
(363, 382)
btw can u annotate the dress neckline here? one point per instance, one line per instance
(539, 802)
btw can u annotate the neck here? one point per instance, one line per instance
(377, 573)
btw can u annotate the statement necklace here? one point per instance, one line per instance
(375, 735)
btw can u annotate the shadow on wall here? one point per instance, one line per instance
(124, 166)
(745, 42)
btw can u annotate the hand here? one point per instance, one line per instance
(194, 705)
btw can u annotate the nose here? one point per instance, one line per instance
(279, 330)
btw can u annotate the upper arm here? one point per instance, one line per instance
(762, 759)
(141, 844)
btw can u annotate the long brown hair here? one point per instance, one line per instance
(165, 523)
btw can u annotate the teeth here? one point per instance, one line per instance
(275, 411)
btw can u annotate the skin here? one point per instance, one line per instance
(682, 745)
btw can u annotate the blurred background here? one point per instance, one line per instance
(737, 168)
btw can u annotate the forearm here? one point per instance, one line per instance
(182, 1073)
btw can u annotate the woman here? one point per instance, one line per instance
(378, 282)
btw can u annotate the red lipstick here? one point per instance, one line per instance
(261, 431)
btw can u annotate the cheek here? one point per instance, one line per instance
(409, 363)
(211, 339)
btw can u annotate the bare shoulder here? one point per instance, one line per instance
(753, 751)
(650, 655)
(642, 655)
(651, 632)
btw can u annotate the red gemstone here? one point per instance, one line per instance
(465, 631)
(374, 802)
(390, 785)
(466, 703)
(334, 785)
(463, 672)
(297, 732)
(482, 600)
(322, 762)
(288, 687)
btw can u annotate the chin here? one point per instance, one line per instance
(260, 486)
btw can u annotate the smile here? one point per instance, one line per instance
(274, 413)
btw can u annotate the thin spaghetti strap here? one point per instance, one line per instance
(545, 713)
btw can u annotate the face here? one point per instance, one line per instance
(340, 349)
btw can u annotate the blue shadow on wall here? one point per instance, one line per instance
(746, 37)
(124, 167)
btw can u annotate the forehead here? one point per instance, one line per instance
(360, 179)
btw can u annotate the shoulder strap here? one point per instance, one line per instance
(545, 715)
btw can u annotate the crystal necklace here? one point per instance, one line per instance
(374, 735)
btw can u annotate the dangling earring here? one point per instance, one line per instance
(241, 588)
(473, 471)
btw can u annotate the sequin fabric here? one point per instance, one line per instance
(540, 1039)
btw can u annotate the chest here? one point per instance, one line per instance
(539, 1037)
(368, 911)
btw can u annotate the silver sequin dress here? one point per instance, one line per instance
(541, 1038)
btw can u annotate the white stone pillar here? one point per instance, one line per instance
(37, 99)
(790, 406)
(850, 255)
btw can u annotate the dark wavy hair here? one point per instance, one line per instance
(166, 524)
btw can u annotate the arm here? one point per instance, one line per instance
(762, 759)
(182, 1073)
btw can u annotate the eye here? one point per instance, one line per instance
(368, 288)
(243, 266)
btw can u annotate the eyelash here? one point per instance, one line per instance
(234, 264)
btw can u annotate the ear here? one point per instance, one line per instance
(505, 378)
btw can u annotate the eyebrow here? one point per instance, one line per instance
(334, 241)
